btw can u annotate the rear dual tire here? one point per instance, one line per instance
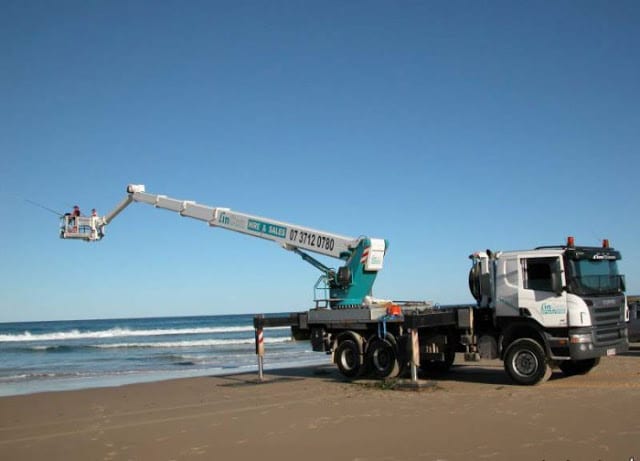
(382, 358)
(348, 358)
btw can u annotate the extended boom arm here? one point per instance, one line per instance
(347, 287)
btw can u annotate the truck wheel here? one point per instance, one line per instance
(578, 367)
(348, 358)
(382, 358)
(526, 362)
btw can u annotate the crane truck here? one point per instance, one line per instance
(555, 306)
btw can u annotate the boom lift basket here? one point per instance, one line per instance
(81, 228)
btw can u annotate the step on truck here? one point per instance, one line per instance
(556, 306)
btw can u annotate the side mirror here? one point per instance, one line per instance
(556, 279)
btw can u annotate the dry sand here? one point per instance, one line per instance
(473, 413)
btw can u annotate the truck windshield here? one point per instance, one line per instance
(594, 277)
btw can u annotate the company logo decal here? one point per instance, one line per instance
(550, 309)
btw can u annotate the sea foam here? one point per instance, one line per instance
(121, 333)
(194, 343)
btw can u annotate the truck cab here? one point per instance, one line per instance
(569, 299)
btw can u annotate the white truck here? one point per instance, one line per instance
(561, 304)
(554, 306)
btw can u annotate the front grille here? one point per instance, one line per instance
(607, 315)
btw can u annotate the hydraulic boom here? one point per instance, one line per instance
(347, 287)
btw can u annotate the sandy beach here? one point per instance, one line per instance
(313, 414)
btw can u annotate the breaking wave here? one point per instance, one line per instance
(196, 343)
(121, 333)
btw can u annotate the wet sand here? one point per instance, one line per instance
(472, 413)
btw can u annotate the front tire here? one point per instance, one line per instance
(526, 362)
(348, 358)
(578, 367)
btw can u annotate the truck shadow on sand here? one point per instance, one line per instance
(493, 375)
(329, 373)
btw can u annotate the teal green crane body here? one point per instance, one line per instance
(351, 283)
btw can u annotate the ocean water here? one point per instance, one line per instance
(61, 355)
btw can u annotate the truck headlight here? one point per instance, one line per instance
(580, 339)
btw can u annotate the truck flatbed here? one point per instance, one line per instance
(458, 315)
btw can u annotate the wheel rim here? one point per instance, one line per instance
(381, 359)
(525, 363)
(348, 360)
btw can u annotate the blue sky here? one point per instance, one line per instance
(445, 127)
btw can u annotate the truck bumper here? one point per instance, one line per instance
(590, 351)
(582, 344)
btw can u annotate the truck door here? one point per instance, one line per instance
(507, 285)
(541, 293)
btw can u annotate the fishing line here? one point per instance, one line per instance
(43, 207)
